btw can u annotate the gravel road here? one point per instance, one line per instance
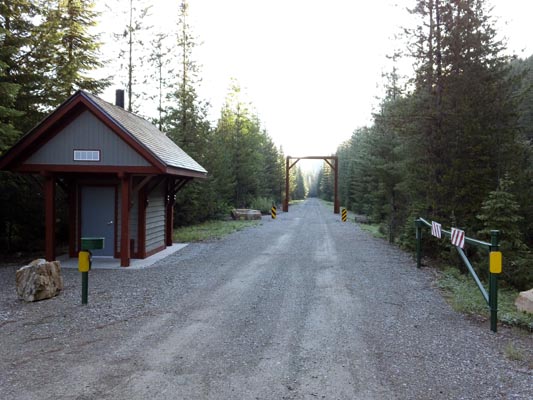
(301, 307)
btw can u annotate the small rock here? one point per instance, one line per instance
(524, 301)
(39, 280)
(245, 214)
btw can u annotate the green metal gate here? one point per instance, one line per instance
(495, 265)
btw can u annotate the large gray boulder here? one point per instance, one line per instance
(245, 214)
(524, 301)
(39, 280)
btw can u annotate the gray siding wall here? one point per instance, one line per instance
(155, 219)
(87, 132)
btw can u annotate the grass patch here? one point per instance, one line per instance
(513, 353)
(209, 230)
(464, 296)
(374, 230)
(294, 202)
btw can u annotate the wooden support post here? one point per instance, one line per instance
(141, 225)
(287, 188)
(125, 222)
(50, 217)
(169, 220)
(73, 219)
(336, 205)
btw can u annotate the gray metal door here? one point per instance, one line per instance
(98, 216)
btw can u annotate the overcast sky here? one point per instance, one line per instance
(311, 68)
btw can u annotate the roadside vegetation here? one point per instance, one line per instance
(375, 230)
(209, 230)
(452, 143)
(464, 296)
(246, 168)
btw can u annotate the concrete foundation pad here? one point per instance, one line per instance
(114, 263)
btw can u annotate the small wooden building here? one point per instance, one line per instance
(120, 172)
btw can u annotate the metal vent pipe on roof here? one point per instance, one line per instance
(119, 98)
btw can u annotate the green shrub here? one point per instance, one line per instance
(262, 204)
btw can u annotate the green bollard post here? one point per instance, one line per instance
(84, 287)
(494, 271)
(84, 265)
(418, 224)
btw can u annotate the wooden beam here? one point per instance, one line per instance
(293, 164)
(141, 226)
(72, 218)
(169, 212)
(334, 164)
(330, 165)
(313, 157)
(180, 184)
(336, 189)
(125, 221)
(141, 184)
(286, 201)
(50, 218)
(153, 184)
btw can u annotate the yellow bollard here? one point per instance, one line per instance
(84, 265)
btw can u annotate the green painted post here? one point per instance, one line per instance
(84, 287)
(493, 284)
(418, 225)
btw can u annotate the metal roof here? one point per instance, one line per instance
(147, 135)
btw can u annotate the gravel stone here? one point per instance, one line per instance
(317, 310)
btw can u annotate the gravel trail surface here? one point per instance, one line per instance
(301, 307)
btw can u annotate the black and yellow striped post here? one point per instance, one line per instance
(344, 215)
(273, 212)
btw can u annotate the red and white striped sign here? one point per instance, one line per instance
(436, 229)
(458, 238)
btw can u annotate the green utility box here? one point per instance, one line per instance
(92, 243)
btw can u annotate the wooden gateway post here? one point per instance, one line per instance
(332, 161)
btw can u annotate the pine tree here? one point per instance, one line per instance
(299, 190)
(8, 95)
(74, 50)
(464, 101)
(20, 62)
(133, 54)
(160, 62)
(186, 116)
(500, 211)
(326, 183)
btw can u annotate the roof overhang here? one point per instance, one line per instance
(50, 126)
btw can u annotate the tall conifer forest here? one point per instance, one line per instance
(451, 143)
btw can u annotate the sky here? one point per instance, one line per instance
(312, 69)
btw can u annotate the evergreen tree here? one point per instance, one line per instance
(464, 140)
(186, 116)
(160, 62)
(299, 191)
(74, 50)
(132, 55)
(522, 77)
(19, 60)
(8, 95)
(326, 183)
(500, 211)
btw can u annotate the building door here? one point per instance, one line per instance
(98, 217)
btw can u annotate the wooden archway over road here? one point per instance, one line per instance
(332, 161)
